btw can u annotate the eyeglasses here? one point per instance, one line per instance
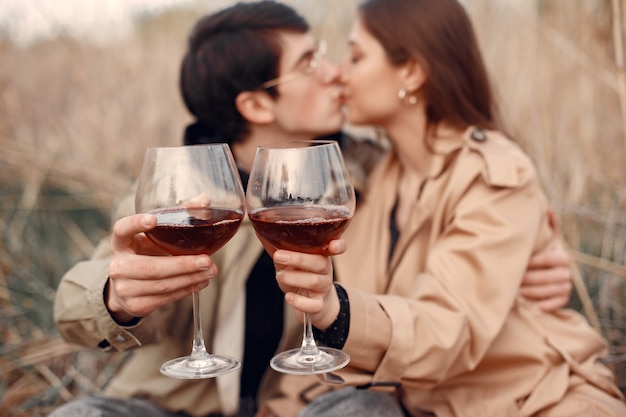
(311, 66)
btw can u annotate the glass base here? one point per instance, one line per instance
(209, 366)
(296, 363)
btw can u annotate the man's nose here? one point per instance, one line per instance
(329, 72)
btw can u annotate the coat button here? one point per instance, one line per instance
(478, 135)
(119, 338)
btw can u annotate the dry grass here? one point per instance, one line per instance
(75, 119)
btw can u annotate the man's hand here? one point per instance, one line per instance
(142, 277)
(548, 278)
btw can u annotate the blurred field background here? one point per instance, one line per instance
(76, 114)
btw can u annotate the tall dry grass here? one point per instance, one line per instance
(559, 69)
(76, 117)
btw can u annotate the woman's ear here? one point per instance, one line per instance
(413, 75)
(255, 106)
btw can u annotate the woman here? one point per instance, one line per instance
(450, 218)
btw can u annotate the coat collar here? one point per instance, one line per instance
(444, 140)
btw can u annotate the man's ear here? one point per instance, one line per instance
(255, 106)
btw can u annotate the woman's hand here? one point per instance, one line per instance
(307, 281)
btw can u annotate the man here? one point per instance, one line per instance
(253, 74)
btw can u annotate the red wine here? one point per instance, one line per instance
(301, 228)
(183, 231)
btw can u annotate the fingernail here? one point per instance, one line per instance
(146, 220)
(281, 257)
(202, 262)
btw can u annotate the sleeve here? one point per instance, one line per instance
(79, 310)
(82, 317)
(459, 302)
(336, 334)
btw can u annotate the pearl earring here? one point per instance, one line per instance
(404, 95)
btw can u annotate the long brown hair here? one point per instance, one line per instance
(437, 34)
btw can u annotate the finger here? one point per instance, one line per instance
(336, 247)
(144, 305)
(546, 276)
(549, 259)
(538, 292)
(308, 262)
(311, 305)
(142, 267)
(552, 304)
(304, 280)
(126, 228)
(129, 288)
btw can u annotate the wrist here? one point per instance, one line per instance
(330, 314)
(118, 314)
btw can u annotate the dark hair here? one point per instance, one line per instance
(437, 34)
(236, 49)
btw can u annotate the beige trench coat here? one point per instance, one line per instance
(443, 319)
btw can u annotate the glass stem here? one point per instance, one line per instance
(308, 343)
(199, 350)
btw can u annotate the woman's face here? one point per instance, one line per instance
(370, 82)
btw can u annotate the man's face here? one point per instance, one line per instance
(309, 102)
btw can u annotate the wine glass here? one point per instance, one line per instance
(195, 192)
(299, 198)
